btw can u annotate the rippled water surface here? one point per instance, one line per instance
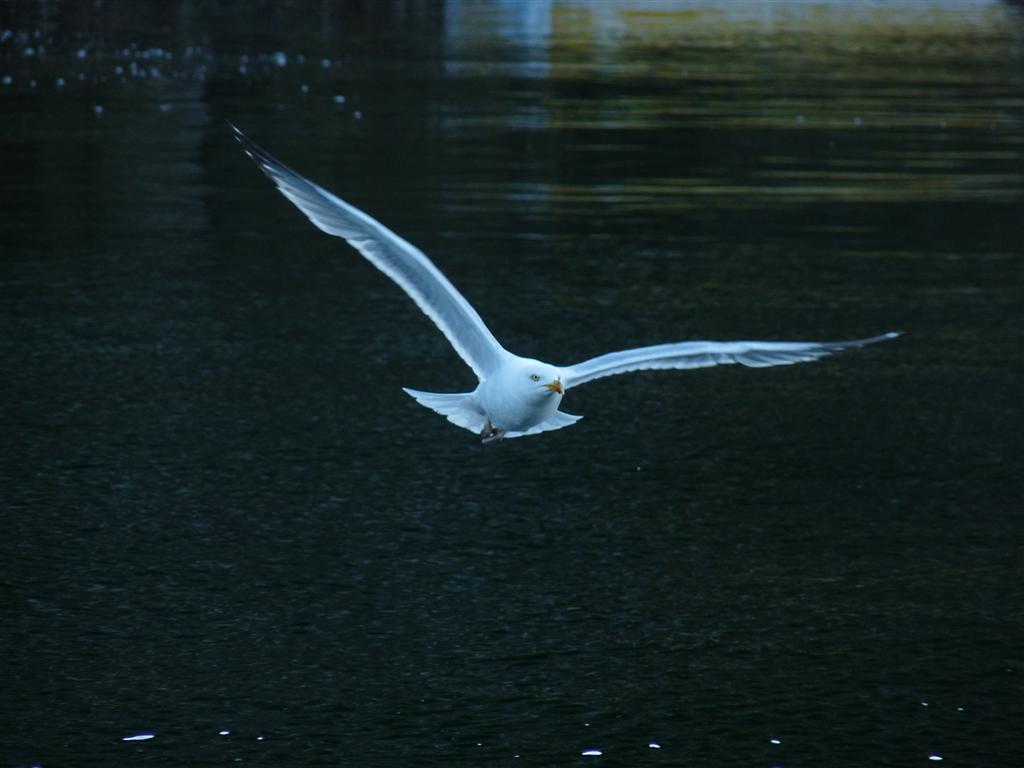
(228, 536)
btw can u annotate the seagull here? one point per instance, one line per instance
(516, 396)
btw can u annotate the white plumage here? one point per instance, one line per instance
(516, 396)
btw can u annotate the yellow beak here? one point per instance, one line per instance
(556, 386)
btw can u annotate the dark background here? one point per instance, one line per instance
(221, 513)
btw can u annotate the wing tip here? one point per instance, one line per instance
(263, 159)
(869, 340)
(240, 137)
(884, 337)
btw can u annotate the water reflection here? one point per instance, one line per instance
(219, 518)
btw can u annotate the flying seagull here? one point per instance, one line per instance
(516, 396)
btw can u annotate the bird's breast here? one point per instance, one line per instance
(515, 411)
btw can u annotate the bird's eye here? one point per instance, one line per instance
(534, 377)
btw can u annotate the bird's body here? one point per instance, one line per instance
(523, 394)
(515, 396)
(521, 397)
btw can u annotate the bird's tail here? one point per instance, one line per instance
(460, 407)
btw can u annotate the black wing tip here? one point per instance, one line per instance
(240, 137)
(263, 159)
(840, 345)
(880, 337)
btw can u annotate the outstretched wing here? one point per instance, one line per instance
(702, 354)
(403, 262)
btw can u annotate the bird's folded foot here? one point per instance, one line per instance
(491, 434)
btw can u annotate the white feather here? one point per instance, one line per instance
(403, 262)
(516, 396)
(703, 354)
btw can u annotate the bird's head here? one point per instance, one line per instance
(540, 380)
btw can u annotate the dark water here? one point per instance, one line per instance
(221, 514)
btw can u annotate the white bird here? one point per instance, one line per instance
(516, 396)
